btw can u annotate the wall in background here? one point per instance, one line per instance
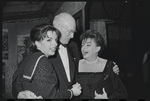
(71, 7)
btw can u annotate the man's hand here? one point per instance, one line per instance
(76, 89)
(101, 96)
(116, 69)
(28, 95)
(77, 85)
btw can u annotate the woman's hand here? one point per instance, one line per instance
(28, 95)
(101, 96)
(116, 69)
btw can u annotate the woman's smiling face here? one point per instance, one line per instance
(89, 48)
(49, 44)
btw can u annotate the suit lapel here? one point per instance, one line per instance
(71, 64)
(59, 66)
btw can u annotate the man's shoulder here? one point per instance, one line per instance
(72, 43)
(73, 46)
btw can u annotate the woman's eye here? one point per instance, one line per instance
(49, 40)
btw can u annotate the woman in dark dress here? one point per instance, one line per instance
(35, 71)
(95, 74)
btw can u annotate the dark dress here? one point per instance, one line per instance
(44, 81)
(96, 81)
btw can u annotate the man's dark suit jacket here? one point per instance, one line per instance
(73, 55)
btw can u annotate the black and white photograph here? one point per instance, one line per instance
(76, 50)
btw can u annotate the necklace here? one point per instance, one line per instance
(92, 61)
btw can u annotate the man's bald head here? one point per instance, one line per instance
(65, 23)
(64, 19)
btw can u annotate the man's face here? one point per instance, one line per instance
(67, 32)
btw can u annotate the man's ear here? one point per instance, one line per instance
(57, 26)
(98, 49)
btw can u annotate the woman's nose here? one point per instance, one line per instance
(83, 47)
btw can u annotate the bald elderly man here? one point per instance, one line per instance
(65, 59)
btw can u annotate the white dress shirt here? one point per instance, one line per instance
(64, 57)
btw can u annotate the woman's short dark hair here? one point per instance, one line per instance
(93, 34)
(39, 33)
